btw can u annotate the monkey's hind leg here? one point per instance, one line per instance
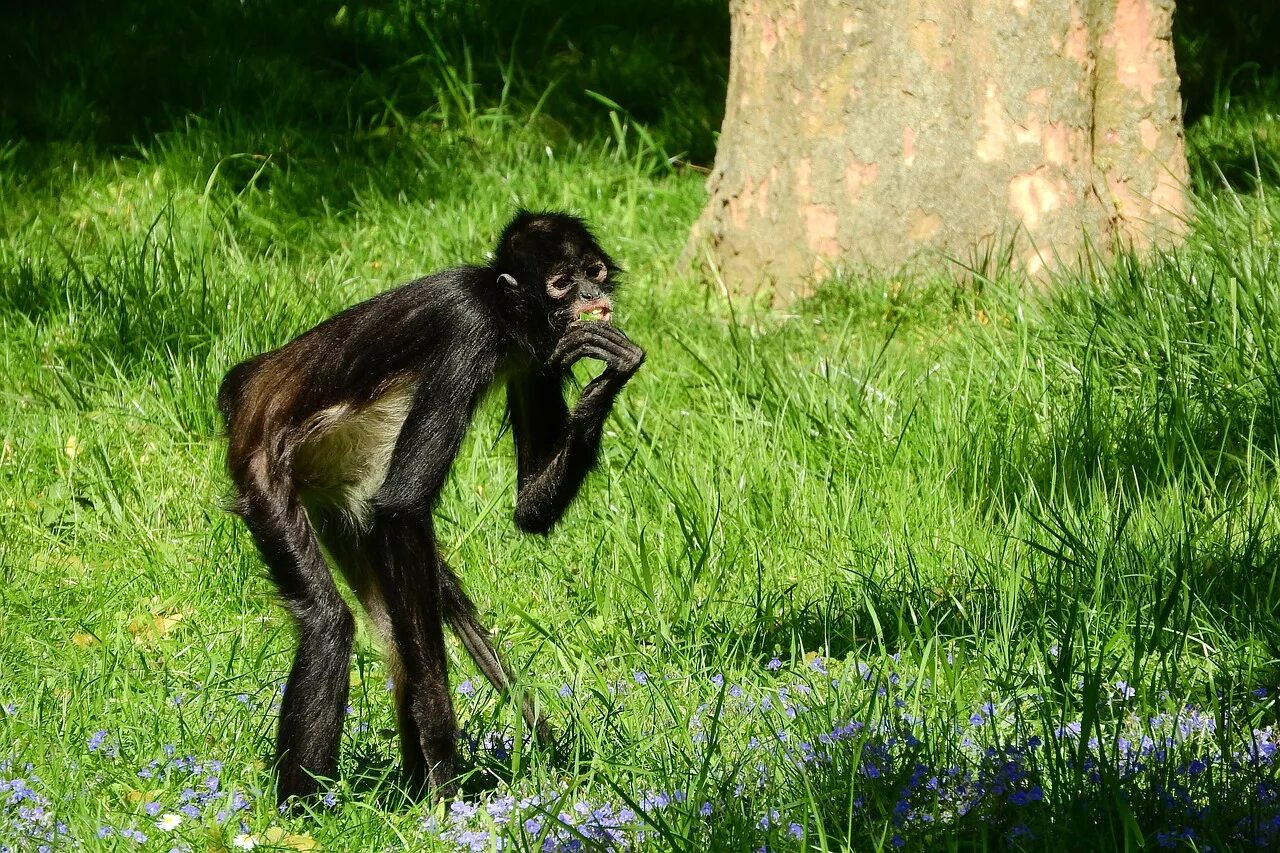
(315, 698)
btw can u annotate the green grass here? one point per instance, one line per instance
(977, 508)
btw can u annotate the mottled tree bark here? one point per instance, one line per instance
(873, 132)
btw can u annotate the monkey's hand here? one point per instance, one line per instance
(622, 358)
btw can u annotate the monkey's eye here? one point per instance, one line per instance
(558, 286)
(598, 271)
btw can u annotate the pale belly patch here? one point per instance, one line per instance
(343, 461)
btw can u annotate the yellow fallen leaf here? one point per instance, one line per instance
(151, 626)
(164, 622)
(278, 836)
(83, 640)
(302, 842)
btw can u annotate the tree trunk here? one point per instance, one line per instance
(875, 132)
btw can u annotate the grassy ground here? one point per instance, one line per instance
(923, 563)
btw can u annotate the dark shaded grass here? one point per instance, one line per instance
(1228, 65)
(328, 87)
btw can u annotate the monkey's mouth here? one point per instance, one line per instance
(597, 309)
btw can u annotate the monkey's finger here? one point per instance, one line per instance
(623, 352)
(593, 350)
(627, 356)
(609, 337)
(613, 333)
(565, 352)
(581, 350)
(572, 338)
(600, 341)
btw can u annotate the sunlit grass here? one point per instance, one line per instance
(919, 562)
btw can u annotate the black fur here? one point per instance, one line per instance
(447, 337)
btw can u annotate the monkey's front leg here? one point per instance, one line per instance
(408, 567)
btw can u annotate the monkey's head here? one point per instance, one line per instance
(552, 265)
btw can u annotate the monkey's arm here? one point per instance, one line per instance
(552, 458)
(443, 404)
(557, 447)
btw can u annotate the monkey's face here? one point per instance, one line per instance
(582, 290)
(553, 258)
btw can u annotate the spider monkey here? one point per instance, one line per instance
(344, 437)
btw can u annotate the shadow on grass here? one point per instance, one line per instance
(1229, 70)
(1215, 41)
(84, 79)
(374, 772)
(123, 77)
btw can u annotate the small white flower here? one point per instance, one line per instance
(169, 821)
(244, 841)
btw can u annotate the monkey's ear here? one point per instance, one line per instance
(507, 281)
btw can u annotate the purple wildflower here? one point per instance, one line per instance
(655, 800)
